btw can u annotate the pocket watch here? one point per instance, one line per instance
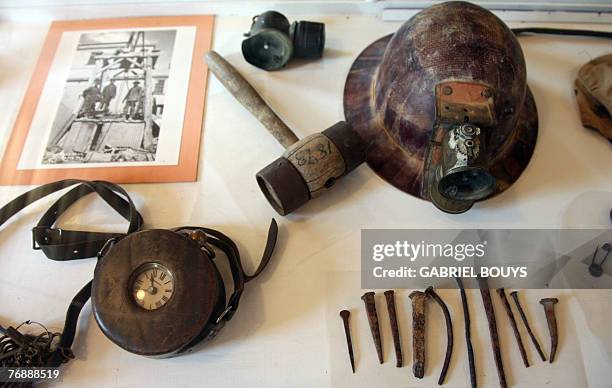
(158, 292)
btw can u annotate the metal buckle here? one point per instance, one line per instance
(209, 250)
(107, 246)
(224, 313)
(46, 229)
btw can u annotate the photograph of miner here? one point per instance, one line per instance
(113, 100)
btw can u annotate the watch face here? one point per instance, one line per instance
(152, 286)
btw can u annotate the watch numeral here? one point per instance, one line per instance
(139, 281)
(167, 282)
(165, 298)
(162, 276)
(158, 304)
(154, 273)
(167, 290)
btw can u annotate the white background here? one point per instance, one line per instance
(287, 332)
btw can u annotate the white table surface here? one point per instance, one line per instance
(287, 332)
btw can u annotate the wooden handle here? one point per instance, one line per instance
(240, 88)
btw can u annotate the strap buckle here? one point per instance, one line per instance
(107, 246)
(44, 233)
(227, 310)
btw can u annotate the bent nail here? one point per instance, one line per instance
(449, 333)
(549, 310)
(468, 335)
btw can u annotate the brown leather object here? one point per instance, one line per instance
(593, 88)
(389, 94)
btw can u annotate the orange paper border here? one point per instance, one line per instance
(187, 167)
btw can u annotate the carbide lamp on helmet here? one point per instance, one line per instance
(444, 107)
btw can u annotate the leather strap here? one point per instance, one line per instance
(63, 352)
(239, 277)
(62, 245)
(59, 244)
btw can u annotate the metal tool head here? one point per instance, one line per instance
(311, 167)
(409, 96)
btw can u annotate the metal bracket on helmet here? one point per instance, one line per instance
(458, 172)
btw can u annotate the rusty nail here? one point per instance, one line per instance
(502, 294)
(549, 309)
(447, 90)
(390, 297)
(370, 304)
(418, 299)
(534, 340)
(345, 314)
(468, 334)
(449, 333)
(486, 93)
(490, 311)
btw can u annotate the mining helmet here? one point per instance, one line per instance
(444, 107)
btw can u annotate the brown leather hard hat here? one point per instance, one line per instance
(444, 106)
(593, 88)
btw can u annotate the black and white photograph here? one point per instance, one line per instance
(113, 100)
(113, 97)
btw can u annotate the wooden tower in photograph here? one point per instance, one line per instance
(98, 130)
